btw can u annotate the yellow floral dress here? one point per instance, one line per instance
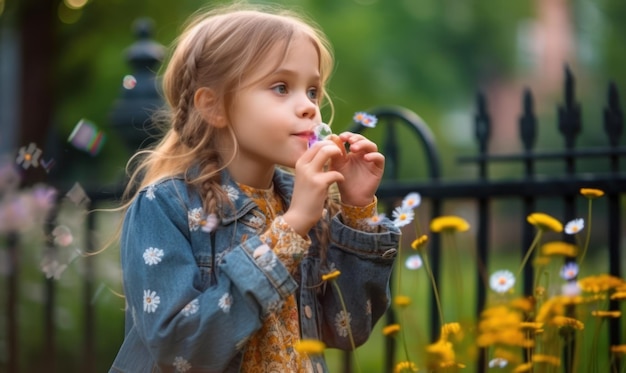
(271, 349)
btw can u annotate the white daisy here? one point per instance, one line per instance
(225, 302)
(260, 251)
(574, 226)
(569, 271)
(501, 281)
(195, 218)
(402, 216)
(150, 301)
(257, 221)
(498, 362)
(342, 323)
(191, 308)
(412, 200)
(150, 192)
(414, 262)
(233, 194)
(210, 223)
(571, 289)
(181, 364)
(266, 262)
(152, 256)
(375, 220)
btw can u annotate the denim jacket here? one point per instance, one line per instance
(194, 298)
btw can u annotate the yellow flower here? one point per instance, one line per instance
(500, 325)
(405, 366)
(618, 349)
(541, 261)
(531, 325)
(391, 329)
(402, 300)
(450, 364)
(545, 222)
(606, 314)
(559, 248)
(540, 291)
(523, 304)
(547, 359)
(449, 223)
(591, 193)
(331, 275)
(550, 308)
(451, 328)
(310, 346)
(599, 283)
(619, 295)
(527, 367)
(562, 321)
(507, 355)
(419, 242)
(439, 353)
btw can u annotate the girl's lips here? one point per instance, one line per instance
(306, 134)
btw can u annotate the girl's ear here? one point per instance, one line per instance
(207, 104)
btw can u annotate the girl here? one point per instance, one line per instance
(222, 250)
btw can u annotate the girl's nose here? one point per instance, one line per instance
(307, 108)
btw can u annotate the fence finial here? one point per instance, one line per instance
(569, 114)
(482, 123)
(528, 121)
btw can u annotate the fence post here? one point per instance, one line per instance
(387, 117)
(569, 126)
(482, 127)
(528, 134)
(613, 125)
(12, 321)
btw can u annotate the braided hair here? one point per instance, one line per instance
(218, 49)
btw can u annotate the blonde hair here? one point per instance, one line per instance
(219, 49)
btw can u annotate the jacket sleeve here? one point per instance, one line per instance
(182, 319)
(365, 260)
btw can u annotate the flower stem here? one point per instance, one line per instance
(398, 269)
(403, 332)
(433, 282)
(458, 276)
(345, 310)
(588, 235)
(529, 252)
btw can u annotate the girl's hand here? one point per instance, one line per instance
(311, 184)
(362, 169)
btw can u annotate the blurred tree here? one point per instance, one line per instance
(37, 57)
(430, 56)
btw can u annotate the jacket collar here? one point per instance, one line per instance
(241, 204)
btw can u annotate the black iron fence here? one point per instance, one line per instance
(529, 188)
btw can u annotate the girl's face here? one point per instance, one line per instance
(273, 118)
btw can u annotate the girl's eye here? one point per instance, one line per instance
(280, 89)
(312, 93)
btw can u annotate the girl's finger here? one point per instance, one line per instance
(326, 152)
(330, 177)
(358, 143)
(376, 158)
